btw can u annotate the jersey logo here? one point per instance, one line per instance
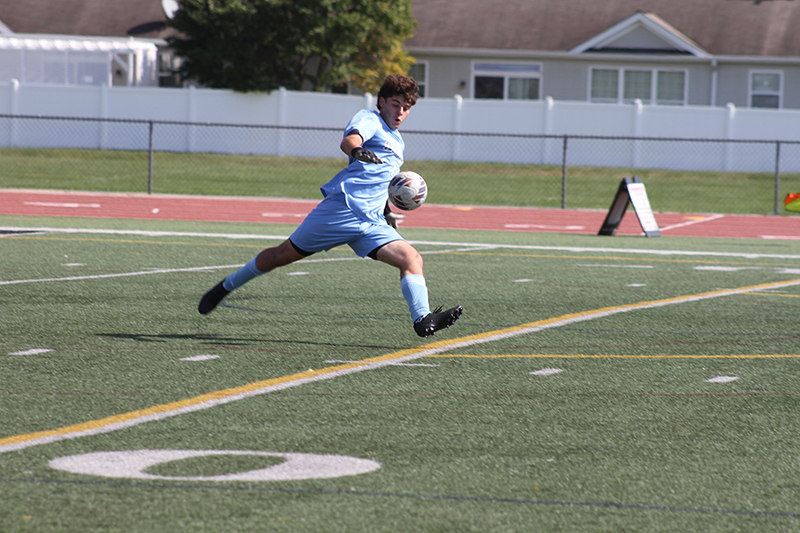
(392, 147)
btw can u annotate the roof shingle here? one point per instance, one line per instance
(106, 18)
(721, 27)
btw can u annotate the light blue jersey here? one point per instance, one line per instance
(363, 186)
(352, 213)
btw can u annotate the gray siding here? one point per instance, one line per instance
(567, 79)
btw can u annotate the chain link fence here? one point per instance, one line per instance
(565, 171)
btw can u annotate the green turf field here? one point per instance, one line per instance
(592, 384)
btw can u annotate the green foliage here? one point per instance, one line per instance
(261, 45)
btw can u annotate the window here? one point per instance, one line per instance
(765, 89)
(638, 85)
(670, 87)
(506, 81)
(419, 72)
(662, 87)
(605, 85)
(86, 68)
(523, 89)
(489, 87)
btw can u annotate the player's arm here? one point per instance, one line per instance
(351, 145)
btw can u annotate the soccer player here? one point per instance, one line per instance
(355, 211)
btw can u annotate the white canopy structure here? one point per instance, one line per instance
(70, 60)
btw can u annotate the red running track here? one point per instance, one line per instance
(290, 211)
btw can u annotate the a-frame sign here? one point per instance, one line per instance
(631, 191)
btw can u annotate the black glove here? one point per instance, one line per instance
(391, 217)
(367, 156)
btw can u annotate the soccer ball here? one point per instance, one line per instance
(407, 190)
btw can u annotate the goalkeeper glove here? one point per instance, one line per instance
(367, 156)
(391, 217)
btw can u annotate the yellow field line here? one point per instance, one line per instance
(780, 295)
(211, 399)
(168, 407)
(625, 258)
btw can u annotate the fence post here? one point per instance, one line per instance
(638, 111)
(455, 127)
(564, 174)
(283, 97)
(150, 162)
(103, 114)
(12, 141)
(727, 163)
(777, 174)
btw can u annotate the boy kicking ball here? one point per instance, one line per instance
(355, 211)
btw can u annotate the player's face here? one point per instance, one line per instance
(394, 110)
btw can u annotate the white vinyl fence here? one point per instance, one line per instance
(170, 119)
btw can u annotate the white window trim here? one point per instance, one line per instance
(751, 92)
(653, 100)
(531, 75)
(427, 82)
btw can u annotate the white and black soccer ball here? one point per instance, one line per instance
(407, 190)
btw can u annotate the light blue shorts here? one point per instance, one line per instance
(333, 224)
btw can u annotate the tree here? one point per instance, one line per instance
(261, 45)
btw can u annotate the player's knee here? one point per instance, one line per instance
(277, 256)
(415, 262)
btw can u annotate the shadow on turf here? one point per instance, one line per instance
(217, 340)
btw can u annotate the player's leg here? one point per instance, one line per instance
(405, 258)
(329, 224)
(269, 259)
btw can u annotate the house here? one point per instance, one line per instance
(85, 42)
(662, 52)
(659, 52)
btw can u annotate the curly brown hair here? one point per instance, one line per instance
(396, 85)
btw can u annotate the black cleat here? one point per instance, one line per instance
(212, 298)
(433, 322)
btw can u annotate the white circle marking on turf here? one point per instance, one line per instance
(132, 464)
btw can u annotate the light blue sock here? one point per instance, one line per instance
(242, 276)
(416, 294)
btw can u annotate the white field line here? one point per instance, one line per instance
(194, 269)
(641, 251)
(209, 400)
(691, 222)
(144, 233)
(118, 275)
(61, 204)
(780, 237)
(576, 249)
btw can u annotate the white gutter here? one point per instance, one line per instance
(595, 56)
